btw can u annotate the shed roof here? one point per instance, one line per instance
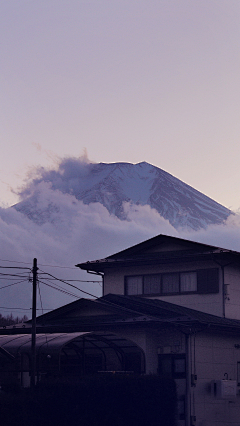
(53, 343)
(44, 342)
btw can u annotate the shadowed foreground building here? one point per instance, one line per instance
(170, 307)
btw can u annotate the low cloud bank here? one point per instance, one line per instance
(73, 233)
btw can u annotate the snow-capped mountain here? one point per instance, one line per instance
(115, 183)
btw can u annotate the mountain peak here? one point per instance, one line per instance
(113, 184)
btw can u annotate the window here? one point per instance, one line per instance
(202, 281)
(238, 373)
(181, 408)
(172, 365)
(134, 285)
(208, 281)
(170, 283)
(179, 365)
(152, 284)
(188, 281)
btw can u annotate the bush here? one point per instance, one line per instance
(103, 400)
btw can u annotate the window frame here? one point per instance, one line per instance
(238, 373)
(172, 358)
(214, 272)
(126, 288)
(143, 284)
(168, 293)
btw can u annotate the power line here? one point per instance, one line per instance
(12, 275)
(78, 281)
(46, 279)
(57, 266)
(24, 309)
(18, 273)
(40, 297)
(59, 286)
(42, 264)
(71, 285)
(62, 291)
(14, 267)
(13, 279)
(9, 285)
(15, 261)
(16, 309)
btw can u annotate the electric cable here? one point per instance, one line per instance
(15, 261)
(8, 276)
(23, 309)
(14, 267)
(62, 291)
(57, 285)
(71, 285)
(57, 266)
(40, 297)
(9, 285)
(12, 279)
(80, 281)
(11, 275)
(18, 309)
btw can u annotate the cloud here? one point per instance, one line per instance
(226, 235)
(73, 233)
(67, 177)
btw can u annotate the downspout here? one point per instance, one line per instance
(188, 378)
(223, 285)
(101, 275)
(223, 291)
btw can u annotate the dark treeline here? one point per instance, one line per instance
(10, 320)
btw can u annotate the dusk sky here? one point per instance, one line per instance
(123, 80)
(112, 81)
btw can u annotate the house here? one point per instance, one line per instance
(197, 341)
(198, 276)
(169, 307)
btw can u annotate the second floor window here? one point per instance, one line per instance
(202, 281)
(135, 285)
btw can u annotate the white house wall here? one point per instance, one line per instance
(214, 357)
(232, 291)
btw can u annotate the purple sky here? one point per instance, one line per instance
(133, 81)
(114, 80)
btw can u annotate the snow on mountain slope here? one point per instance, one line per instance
(116, 183)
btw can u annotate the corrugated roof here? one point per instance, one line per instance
(54, 342)
(44, 342)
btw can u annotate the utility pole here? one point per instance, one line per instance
(34, 309)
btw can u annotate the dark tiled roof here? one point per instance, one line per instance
(161, 240)
(142, 254)
(113, 310)
(167, 312)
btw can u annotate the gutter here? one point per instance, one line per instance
(101, 274)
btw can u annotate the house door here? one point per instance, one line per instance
(174, 366)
